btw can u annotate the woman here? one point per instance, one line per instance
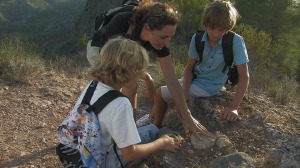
(152, 24)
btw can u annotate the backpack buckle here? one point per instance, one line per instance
(82, 108)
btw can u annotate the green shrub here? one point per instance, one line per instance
(74, 66)
(179, 56)
(19, 60)
(284, 90)
(265, 73)
(259, 47)
(191, 18)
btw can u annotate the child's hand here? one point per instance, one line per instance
(170, 144)
(229, 115)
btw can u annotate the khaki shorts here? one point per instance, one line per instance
(92, 53)
(194, 91)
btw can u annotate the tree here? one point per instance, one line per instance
(281, 19)
(273, 16)
(191, 18)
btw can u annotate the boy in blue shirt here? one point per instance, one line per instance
(206, 79)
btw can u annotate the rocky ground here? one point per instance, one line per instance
(31, 111)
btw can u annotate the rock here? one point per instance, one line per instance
(169, 160)
(207, 112)
(223, 141)
(238, 159)
(172, 119)
(165, 130)
(203, 143)
(290, 152)
(273, 157)
(224, 144)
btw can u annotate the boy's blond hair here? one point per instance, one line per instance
(220, 14)
(120, 60)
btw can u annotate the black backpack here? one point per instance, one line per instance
(105, 16)
(233, 76)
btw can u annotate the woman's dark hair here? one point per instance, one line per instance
(157, 15)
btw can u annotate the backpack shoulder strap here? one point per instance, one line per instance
(104, 100)
(131, 2)
(89, 93)
(227, 49)
(199, 44)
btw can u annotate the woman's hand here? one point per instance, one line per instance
(193, 126)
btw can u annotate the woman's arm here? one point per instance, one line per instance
(189, 123)
(188, 77)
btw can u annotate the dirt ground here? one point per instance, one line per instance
(31, 111)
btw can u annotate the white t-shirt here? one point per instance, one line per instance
(116, 122)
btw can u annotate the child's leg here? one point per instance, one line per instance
(148, 133)
(160, 106)
(131, 93)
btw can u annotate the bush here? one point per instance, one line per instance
(259, 47)
(284, 90)
(264, 72)
(191, 18)
(19, 60)
(179, 56)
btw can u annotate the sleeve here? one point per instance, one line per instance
(240, 54)
(192, 49)
(122, 127)
(162, 53)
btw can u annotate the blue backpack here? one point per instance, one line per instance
(80, 132)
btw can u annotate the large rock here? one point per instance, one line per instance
(234, 160)
(206, 110)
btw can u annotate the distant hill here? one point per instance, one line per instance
(56, 25)
(50, 23)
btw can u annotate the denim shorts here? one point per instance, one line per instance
(148, 133)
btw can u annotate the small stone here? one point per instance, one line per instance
(190, 151)
(223, 141)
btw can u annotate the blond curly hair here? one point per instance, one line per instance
(120, 61)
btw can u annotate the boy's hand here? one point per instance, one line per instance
(170, 144)
(229, 114)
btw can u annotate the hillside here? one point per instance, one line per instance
(49, 23)
(31, 111)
